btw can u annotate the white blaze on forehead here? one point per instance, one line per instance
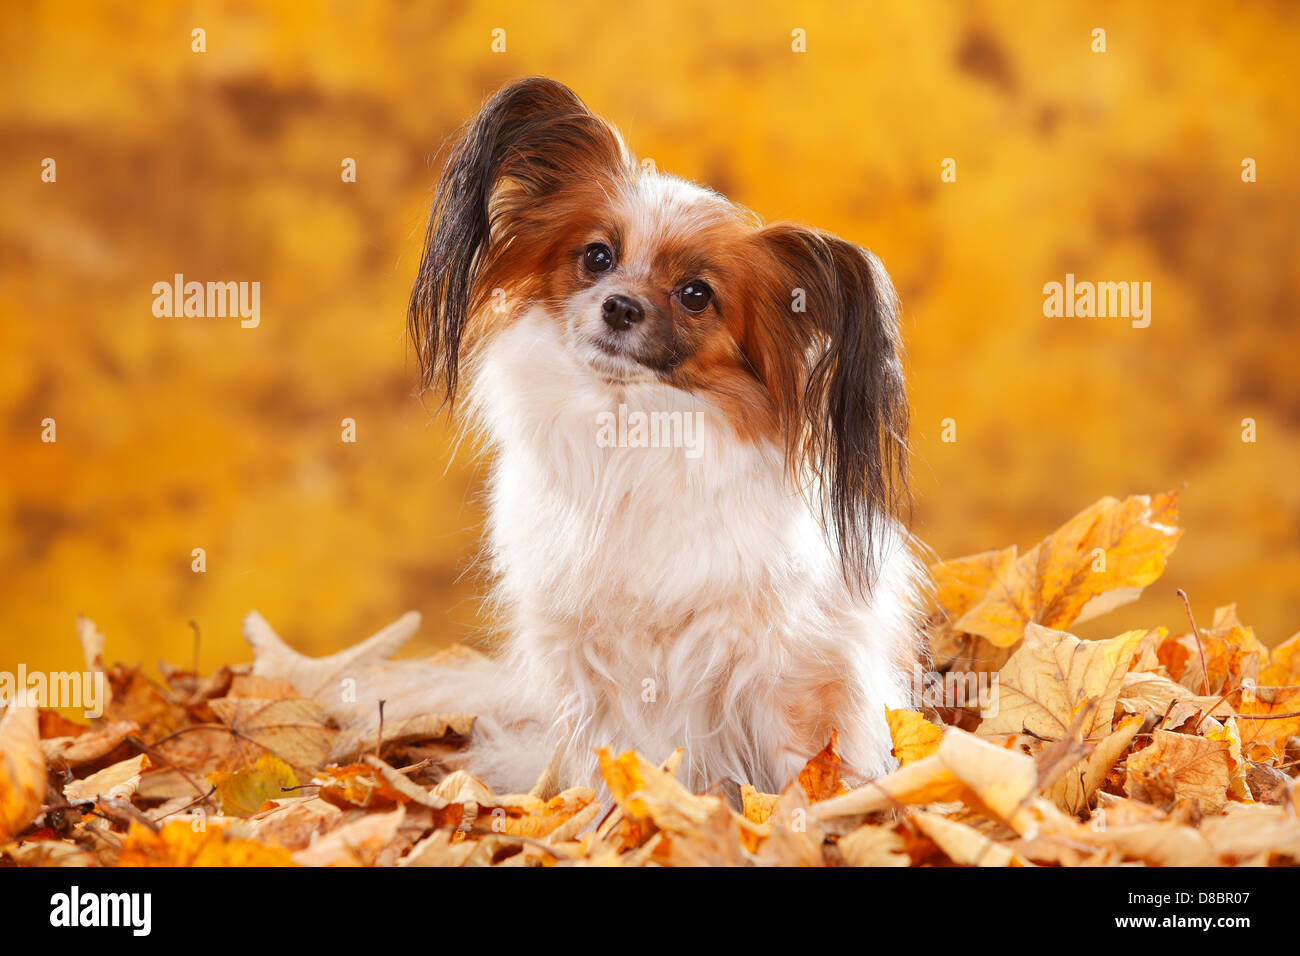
(658, 208)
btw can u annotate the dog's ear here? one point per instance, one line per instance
(531, 140)
(828, 330)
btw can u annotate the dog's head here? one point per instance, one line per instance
(790, 331)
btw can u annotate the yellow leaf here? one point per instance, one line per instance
(1283, 665)
(964, 845)
(757, 806)
(1265, 737)
(991, 780)
(244, 792)
(914, 737)
(22, 769)
(1100, 558)
(179, 844)
(1075, 790)
(1054, 677)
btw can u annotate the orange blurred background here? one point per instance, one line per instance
(175, 434)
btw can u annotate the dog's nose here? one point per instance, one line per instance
(621, 312)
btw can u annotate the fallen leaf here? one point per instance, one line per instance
(244, 792)
(873, 846)
(1102, 557)
(119, 781)
(1052, 678)
(22, 769)
(1180, 767)
(820, 777)
(1264, 729)
(180, 844)
(293, 729)
(963, 845)
(914, 737)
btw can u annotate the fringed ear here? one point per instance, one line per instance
(529, 142)
(835, 373)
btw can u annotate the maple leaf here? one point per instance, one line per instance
(1052, 678)
(1101, 558)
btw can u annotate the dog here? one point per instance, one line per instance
(697, 428)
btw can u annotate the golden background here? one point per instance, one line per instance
(225, 165)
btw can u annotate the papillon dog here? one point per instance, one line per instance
(697, 429)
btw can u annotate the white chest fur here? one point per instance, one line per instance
(663, 597)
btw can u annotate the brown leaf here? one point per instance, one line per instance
(1179, 768)
(291, 728)
(89, 747)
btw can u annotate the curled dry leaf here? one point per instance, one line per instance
(989, 779)
(962, 844)
(120, 781)
(820, 777)
(22, 769)
(90, 746)
(1179, 768)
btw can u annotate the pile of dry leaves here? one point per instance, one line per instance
(1150, 747)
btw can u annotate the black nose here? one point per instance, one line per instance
(621, 312)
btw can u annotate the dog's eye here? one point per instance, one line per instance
(696, 295)
(598, 257)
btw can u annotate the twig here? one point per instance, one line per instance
(156, 757)
(379, 736)
(1196, 631)
(202, 799)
